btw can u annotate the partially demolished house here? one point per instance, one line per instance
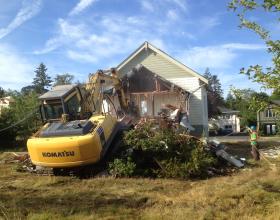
(155, 79)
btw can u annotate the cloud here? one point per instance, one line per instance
(66, 34)
(240, 46)
(217, 56)
(81, 56)
(211, 56)
(207, 23)
(81, 6)
(172, 14)
(163, 5)
(111, 35)
(15, 70)
(50, 46)
(147, 5)
(182, 4)
(28, 10)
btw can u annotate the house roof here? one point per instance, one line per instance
(146, 45)
(8, 99)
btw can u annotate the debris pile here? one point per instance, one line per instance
(271, 152)
(24, 163)
(15, 157)
(154, 150)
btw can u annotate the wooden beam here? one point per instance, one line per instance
(157, 85)
(153, 104)
(153, 92)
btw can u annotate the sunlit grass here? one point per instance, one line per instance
(251, 193)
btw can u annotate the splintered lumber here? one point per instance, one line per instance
(219, 150)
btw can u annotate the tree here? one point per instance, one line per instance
(23, 107)
(41, 80)
(268, 77)
(230, 101)
(63, 79)
(214, 94)
(248, 103)
(275, 95)
(27, 89)
(2, 92)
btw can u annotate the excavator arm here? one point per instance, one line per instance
(93, 98)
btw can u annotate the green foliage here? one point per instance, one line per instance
(199, 161)
(248, 102)
(63, 79)
(268, 77)
(26, 106)
(27, 89)
(23, 107)
(166, 153)
(277, 127)
(41, 80)
(194, 166)
(2, 92)
(214, 94)
(275, 95)
(122, 167)
(22, 114)
(6, 119)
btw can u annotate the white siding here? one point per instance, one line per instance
(191, 84)
(157, 64)
(205, 107)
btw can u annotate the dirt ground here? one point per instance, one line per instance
(250, 193)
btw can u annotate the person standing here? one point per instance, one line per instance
(254, 142)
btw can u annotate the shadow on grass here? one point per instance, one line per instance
(243, 149)
(69, 204)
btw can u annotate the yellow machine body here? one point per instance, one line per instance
(72, 151)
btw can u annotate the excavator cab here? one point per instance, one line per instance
(61, 110)
(64, 100)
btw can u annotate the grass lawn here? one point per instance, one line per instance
(251, 193)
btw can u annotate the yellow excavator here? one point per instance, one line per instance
(77, 130)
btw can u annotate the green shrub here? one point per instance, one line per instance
(199, 162)
(122, 167)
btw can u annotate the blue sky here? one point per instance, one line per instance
(81, 36)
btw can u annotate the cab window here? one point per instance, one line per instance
(53, 111)
(73, 106)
